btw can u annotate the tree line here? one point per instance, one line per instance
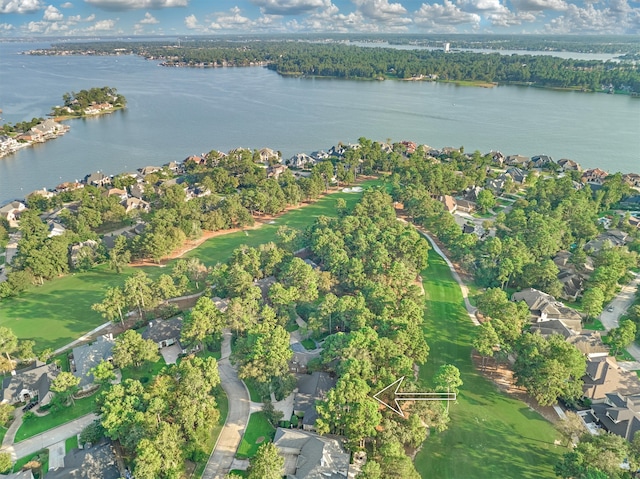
(349, 61)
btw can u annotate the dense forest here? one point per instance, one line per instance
(348, 61)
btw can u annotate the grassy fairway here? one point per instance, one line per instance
(490, 434)
(60, 311)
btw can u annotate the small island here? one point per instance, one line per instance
(96, 101)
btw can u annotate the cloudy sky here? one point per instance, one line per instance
(184, 17)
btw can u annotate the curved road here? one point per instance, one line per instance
(221, 458)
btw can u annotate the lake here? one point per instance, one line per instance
(176, 112)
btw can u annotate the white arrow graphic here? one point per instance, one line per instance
(399, 396)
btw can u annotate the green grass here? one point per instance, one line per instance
(63, 361)
(3, 431)
(490, 435)
(70, 444)
(258, 428)
(309, 344)
(42, 454)
(36, 425)
(60, 311)
(240, 473)
(594, 325)
(144, 373)
(254, 395)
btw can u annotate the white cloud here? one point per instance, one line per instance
(102, 26)
(52, 14)
(444, 17)
(6, 27)
(66, 5)
(289, 7)
(20, 6)
(232, 20)
(191, 22)
(136, 4)
(148, 19)
(383, 11)
(614, 17)
(539, 5)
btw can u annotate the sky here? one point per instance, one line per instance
(32, 18)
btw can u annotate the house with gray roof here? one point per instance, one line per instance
(164, 332)
(311, 388)
(610, 237)
(544, 307)
(309, 456)
(604, 377)
(97, 179)
(96, 462)
(519, 176)
(27, 384)
(88, 356)
(619, 414)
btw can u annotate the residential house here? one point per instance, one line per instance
(97, 179)
(544, 307)
(135, 204)
(96, 108)
(517, 175)
(571, 276)
(540, 161)
(164, 332)
(589, 343)
(610, 237)
(55, 228)
(311, 388)
(198, 160)
(410, 146)
(122, 194)
(631, 202)
(267, 155)
(632, 179)
(497, 184)
(465, 206)
(300, 160)
(45, 193)
(604, 376)
(221, 303)
(8, 144)
(569, 165)
(275, 171)
(594, 175)
(147, 170)
(196, 192)
(468, 228)
(88, 356)
(28, 384)
(516, 160)
(137, 190)
(174, 167)
(97, 462)
(80, 251)
(319, 155)
(553, 326)
(69, 186)
(337, 150)
(472, 193)
(11, 212)
(449, 203)
(497, 157)
(634, 221)
(310, 456)
(619, 414)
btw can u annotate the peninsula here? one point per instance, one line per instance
(93, 102)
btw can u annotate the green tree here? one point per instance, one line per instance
(138, 292)
(103, 372)
(5, 462)
(486, 200)
(622, 336)
(267, 463)
(65, 385)
(204, 320)
(485, 341)
(130, 348)
(113, 305)
(119, 255)
(592, 302)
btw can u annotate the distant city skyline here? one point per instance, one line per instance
(28, 18)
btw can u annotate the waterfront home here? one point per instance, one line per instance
(516, 160)
(540, 161)
(275, 171)
(97, 179)
(569, 165)
(517, 175)
(594, 175)
(300, 160)
(267, 155)
(198, 160)
(632, 179)
(147, 170)
(8, 144)
(69, 186)
(122, 194)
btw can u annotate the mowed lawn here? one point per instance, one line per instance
(490, 434)
(60, 311)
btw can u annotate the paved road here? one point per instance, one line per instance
(221, 458)
(620, 303)
(49, 438)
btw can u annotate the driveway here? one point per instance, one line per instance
(171, 353)
(224, 452)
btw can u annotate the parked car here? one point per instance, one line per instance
(29, 406)
(610, 309)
